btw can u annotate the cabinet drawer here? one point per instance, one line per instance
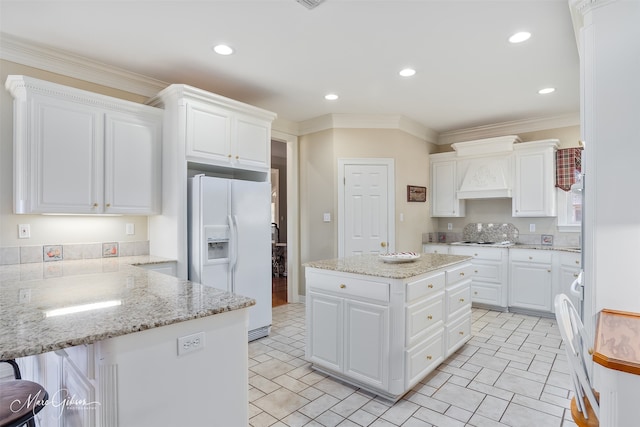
(541, 256)
(494, 254)
(458, 333)
(570, 259)
(459, 272)
(348, 286)
(423, 359)
(486, 293)
(425, 286)
(487, 271)
(458, 298)
(423, 316)
(435, 249)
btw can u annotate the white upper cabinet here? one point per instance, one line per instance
(444, 185)
(76, 152)
(208, 132)
(132, 164)
(534, 190)
(219, 131)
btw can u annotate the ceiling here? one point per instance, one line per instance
(288, 57)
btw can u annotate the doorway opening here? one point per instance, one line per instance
(279, 288)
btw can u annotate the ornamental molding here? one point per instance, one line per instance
(46, 58)
(585, 6)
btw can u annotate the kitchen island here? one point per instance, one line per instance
(384, 326)
(115, 344)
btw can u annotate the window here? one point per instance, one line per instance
(569, 210)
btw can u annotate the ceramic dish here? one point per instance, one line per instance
(399, 257)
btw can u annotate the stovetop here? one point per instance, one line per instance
(483, 243)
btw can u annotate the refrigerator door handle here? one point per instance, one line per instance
(576, 286)
(234, 251)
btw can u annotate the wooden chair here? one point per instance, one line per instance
(20, 400)
(585, 407)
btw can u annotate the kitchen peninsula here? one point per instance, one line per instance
(384, 326)
(115, 344)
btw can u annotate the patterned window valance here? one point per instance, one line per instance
(568, 166)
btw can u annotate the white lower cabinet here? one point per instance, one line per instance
(435, 249)
(366, 342)
(386, 334)
(490, 275)
(139, 380)
(567, 268)
(67, 375)
(530, 280)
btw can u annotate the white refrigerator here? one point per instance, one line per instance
(230, 241)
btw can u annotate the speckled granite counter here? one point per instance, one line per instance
(372, 265)
(516, 246)
(142, 300)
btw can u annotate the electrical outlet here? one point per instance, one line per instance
(326, 217)
(190, 343)
(449, 226)
(130, 228)
(532, 228)
(24, 231)
(25, 296)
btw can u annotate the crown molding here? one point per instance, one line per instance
(585, 6)
(58, 61)
(367, 121)
(509, 128)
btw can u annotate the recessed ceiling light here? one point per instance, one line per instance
(407, 72)
(546, 90)
(519, 37)
(331, 97)
(223, 49)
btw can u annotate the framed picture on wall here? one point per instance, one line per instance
(416, 194)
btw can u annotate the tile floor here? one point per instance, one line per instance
(513, 372)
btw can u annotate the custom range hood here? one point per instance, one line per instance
(485, 167)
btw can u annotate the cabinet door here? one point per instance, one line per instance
(444, 202)
(534, 194)
(252, 143)
(67, 158)
(530, 286)
(366, 342)
(79, 395)
(325, 330)
(132, 163)
(208, 131)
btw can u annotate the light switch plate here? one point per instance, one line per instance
(326, 217)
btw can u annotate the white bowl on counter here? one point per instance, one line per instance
(398, 257)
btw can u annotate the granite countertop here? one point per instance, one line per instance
(142, 299)
(514, 246)
(372, 265)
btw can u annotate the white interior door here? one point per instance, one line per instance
(366, 207)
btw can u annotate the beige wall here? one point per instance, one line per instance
(53, 229)
(319, 154)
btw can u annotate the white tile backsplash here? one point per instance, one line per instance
(10, 255)
(73, 251)
(29, 254)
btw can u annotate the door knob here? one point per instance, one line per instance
(383, 244)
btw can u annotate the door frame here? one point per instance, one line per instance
(293, 219)
(391, 198)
